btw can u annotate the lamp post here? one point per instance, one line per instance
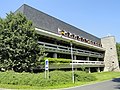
(72, 63)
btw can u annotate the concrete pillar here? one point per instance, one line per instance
(97, 59)
(54, 55)
(98, 69)
(88, 59)
(75, 69)
(74, 57)
(88, 67)
(89, 70)
(110, 57)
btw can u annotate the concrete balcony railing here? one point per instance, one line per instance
(78, 64)
(88, 63)
(67, 50)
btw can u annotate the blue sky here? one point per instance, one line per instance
(98, 17)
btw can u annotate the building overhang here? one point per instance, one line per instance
(63, 38)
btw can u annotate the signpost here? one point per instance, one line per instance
(46, 68)
(72, 64)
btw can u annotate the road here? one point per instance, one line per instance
(107, 85)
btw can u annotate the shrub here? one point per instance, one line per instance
(84, 77)
(56, 77)
(56, 60)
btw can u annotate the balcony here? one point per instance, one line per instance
(88, 63)
(66, 39)
(67, 50)
(78, 64)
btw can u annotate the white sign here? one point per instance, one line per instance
(46, 64)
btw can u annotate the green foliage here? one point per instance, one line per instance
(57, 60)
(19, 49)
(56, 78)
(118, 51)
(101, 76)
(84, 77)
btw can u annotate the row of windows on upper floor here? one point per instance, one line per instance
(77, 37)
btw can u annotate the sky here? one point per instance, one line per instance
(97, 17)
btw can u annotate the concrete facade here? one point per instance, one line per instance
(110, 58)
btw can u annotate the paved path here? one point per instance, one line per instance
(107, 85)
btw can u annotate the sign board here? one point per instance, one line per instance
(46, 64)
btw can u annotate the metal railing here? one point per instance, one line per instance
(84, 62)
(62, 49)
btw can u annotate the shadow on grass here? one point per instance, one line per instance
(118, 81)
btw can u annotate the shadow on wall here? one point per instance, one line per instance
(118, 81)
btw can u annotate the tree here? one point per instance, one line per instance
(19, 49)
(118, 51)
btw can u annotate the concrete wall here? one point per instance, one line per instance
(110, 58)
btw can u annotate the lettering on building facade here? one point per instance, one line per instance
(77, 37)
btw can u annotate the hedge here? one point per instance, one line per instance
(56, 77)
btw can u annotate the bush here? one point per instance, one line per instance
(56, 77)
(19, 48)
(84, 77)
(56, 60)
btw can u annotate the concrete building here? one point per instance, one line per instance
(57, 37)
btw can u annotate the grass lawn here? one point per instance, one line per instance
(102, 76)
